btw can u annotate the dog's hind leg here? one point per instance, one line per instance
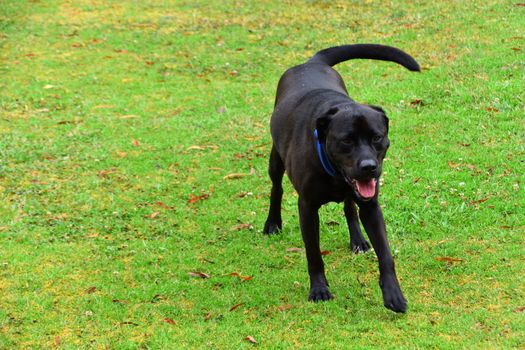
(276, 170)
(357, 242)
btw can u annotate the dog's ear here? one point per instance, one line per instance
(382, 111)
(323, 122)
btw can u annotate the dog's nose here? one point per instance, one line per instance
(368, 165)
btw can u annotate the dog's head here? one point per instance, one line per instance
(356, 139)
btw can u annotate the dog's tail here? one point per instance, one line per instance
(337, 54)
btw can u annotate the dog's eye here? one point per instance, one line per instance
(348, 142)
(377, 139)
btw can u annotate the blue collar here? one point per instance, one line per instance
(323, 157)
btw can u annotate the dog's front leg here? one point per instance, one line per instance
(358, 244)
(309, 222)
(374, 224)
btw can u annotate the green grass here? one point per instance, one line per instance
(114, 114)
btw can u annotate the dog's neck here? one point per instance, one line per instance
(323, 156)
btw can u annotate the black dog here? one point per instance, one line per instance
(332, 149)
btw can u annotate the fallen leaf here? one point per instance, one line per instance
(165, 206)
(284, 307)
(119, 301)
(243, 278)
(200, 148)
(479, 201)
(250, 339)
(91, 290)
(157, 297)
(57, 341)
(104, 173)
(234, 176)
(449, 259)
(208, 316)
(193, 198)
(64, 122)
(135, 142)
(198, 274)
(121, 154)
(236, 306)
(417, 102)
(294, 249)
(128, 116)
(243, 194)
(169, 320)
(153, 215)
(221, 110)
(519, 309)
(325, 252)
(453, 165)
(242, 227)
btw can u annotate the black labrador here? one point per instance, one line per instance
(332, 149)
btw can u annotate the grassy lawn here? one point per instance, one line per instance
(134, 140)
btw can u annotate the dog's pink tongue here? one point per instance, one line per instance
(367, 188)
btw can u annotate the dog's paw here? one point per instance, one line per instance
(271, 227)
(393, 298)
(361, 246)
(321, 293)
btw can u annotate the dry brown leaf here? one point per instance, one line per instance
(236, 306)
(242, 227)
(250, 339)
(519, 309)
(200, 148)
(193, 198)
(106, 172)
(119, 301)
(121, 154)
(208, 316)
(294, 250)
(135, 143)
(243, 278)
(169, 320)
(153, 215)
(91, 290)
(479, 201)
(234, 176)
(198, 274)
(449, 259)
(165, 206)
(453, 165)
(284, 307)
(325, 252)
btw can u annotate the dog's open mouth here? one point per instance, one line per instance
(365, 189)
